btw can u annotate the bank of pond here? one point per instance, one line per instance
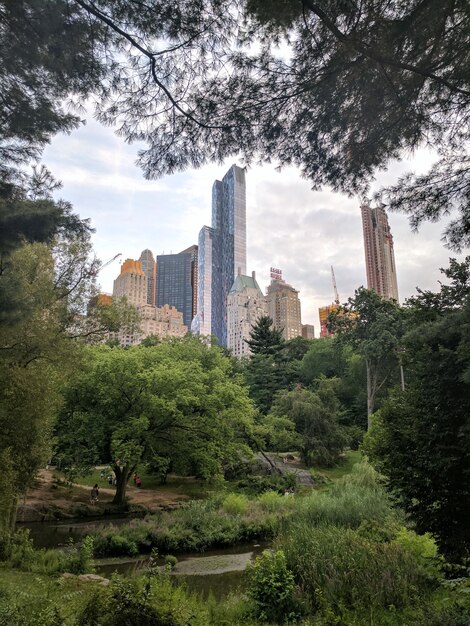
(345, 556)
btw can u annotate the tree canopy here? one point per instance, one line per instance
(176, 400)
(337, 89)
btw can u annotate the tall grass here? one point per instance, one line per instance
(346, 568)
(197, 526)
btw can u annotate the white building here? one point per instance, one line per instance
(245, 305)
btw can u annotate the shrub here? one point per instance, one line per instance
(350, 569)
(235, 504)
(271, 501)
(82, 561)
(147, 601)
(271, 587)
(171, 560)
(423, 548)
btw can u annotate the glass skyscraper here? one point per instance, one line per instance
(222, 253)
(175, 283)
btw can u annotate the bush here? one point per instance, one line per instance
(82, 561)
(148, 601)
(271, 587)
(171, 560)
(271, 501)
(235, 504)
(349, 569)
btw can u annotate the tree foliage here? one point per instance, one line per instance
(264, 339)
(176, 400)
(372, 326)
(351, 86)
(421, 439)
(315, 416)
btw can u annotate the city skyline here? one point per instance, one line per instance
(288, 226)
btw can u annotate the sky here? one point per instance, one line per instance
(289, 226)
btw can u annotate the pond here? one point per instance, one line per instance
(217, 571)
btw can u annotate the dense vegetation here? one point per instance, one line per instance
(360, 83)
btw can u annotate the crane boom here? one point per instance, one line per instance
(110, 261)
(334, 285)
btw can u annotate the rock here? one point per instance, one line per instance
(68, 575)
(94, 578)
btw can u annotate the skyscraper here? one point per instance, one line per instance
(378, 247)
(245, 305)
(284, 308)
(149, 268)
(222, 252)
(175, 282)
(201, 324)
(131, 283)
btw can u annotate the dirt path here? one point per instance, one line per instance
(47, 499)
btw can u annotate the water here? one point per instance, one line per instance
(215, 571)
(59, 534)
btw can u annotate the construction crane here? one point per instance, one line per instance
(334, 285)
(101, 267)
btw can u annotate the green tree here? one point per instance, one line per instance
(372, 326)
(358, 84)
(264, 339)
(420, 439)
(315, 416)
(177, 400)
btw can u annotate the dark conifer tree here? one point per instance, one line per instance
(264, 339)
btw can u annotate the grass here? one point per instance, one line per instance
(187, 486)
(349, 459)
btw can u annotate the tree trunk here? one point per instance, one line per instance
(370, 395)
(122, 474)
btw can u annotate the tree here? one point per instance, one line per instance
(372, 326)
(40, 345)
(176, 400)
(315, 418)
(264, 339)
(358, 84)
(420, 439)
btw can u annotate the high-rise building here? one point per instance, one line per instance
(225, 245)
(308, 331)
(284, 308)
(131, 283)
(149, 268)
(245, 305)
(165, 321)
(202, 321)
(378, 247)
(324, 313)
(176, 281)
(193, 251)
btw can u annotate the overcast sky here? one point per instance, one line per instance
(288, 226)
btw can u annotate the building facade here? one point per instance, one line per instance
(175, 282)
(131, 283)
(163, 322)
(283, 306)
(308, 331)
(149, 268)
(323, 313)
(193, 251)
(379, 254)
(202, 321)
(245, 305)
(222, 251)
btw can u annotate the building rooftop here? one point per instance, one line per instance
(242, 282)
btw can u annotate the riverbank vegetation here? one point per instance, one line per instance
(343, 556)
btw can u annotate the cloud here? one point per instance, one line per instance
(289, 226)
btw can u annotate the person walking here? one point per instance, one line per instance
(95, 492)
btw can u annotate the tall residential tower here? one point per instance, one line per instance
(222, 253)
(380, 258)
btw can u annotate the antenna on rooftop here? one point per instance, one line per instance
(334, 285)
